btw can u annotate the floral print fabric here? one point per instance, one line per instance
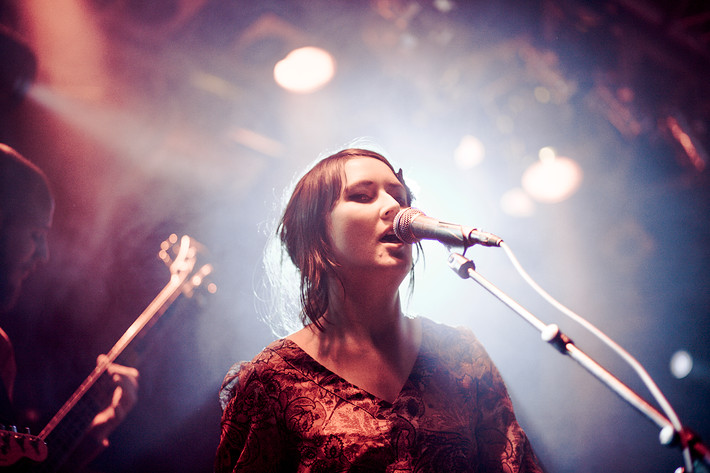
(284, 412)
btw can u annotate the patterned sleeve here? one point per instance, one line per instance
(502, 444)
(229, 385)
(249, 440)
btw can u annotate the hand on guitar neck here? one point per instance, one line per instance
(79, 430)
(122, 387)
(123, 399)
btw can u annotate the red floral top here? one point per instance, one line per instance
(284, 412)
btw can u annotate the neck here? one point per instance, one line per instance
(363, 310)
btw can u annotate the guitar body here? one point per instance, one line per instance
(15, 446)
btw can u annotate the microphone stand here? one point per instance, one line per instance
(688, 441)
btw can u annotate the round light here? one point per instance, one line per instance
(304, 70)
(542, 94)
(469, 153)
(547, 153)
(517, 203)
(681, 364)
(552, 180)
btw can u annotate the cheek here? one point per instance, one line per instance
(340, 235)
(19, 245)
(346, 232)
(334, 233)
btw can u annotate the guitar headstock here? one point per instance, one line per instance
(15, 446)
(180, 254)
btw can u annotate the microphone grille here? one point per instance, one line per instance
(402, 224)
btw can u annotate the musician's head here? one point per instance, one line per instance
(305, 231)
(26, 209)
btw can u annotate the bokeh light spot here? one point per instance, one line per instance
(681, 364)
(469, 153)
(305, 70)
(517, 203)
(552, 179)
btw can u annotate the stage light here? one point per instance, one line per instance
(444, 6)
(681, 364)
(517, 203)
(696, 154)
(469, 153)
(542, 94)
(553, 178)
(305, 70)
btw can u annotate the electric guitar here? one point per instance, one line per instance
(52, 447)
(15, 446)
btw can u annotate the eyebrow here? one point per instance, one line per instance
(356, 184)
(368, 183)
(396, 189)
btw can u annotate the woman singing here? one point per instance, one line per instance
(363, 387)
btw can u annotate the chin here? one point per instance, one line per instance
(8, 300)
(401, 266)
(9, 294)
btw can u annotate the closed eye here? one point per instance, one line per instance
(39, 235)
(362, 198)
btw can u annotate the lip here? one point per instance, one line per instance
(26, 270)
(392, 242)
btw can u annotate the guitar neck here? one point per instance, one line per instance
(66, 434)
(66, 429)
(149, 316)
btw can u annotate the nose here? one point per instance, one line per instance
(41, 253)
(390, 206)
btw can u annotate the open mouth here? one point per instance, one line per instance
(390, 238)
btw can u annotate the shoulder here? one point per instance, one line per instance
(455, 349)
(277, 357)
(450, 341)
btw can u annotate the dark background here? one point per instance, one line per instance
(158, 117)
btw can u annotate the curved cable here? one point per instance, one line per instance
(626, 356)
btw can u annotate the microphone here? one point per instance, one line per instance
(411, 225)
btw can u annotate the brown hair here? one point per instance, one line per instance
(303, 231)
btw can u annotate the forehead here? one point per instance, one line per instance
(35, 211)
(368, 169)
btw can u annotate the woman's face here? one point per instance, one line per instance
(360, 224)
